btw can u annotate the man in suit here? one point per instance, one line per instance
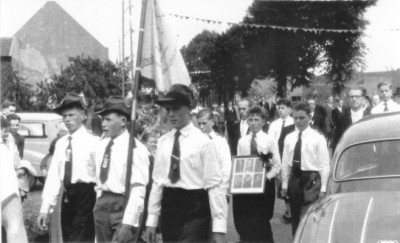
(328, 118)
(318, 116)
(351, 115)
(337, 111)
(231, 119)
(241, 128)
(265, 105)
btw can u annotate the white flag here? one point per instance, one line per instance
(161, 58)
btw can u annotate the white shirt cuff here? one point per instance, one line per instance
(152, 220)
(45, 208)
(219, 226)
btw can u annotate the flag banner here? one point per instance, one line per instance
(161, 60)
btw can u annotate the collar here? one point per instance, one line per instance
(77, 133)
(184, 130)
(122, 137)
(213, 134)
(305, 131)
(360, 111)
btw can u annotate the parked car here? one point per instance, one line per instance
(39, 129)
(363, 201)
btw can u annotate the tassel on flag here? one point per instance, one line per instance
(161, 58)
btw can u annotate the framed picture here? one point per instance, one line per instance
(248, 175)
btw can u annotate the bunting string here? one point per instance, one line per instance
(275, 27)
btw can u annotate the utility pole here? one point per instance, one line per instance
(131, 42)
(123, 49)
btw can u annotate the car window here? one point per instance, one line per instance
(373, 159)
(32, 130)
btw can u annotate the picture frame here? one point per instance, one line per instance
(248, 175)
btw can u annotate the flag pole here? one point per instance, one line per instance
(135, 87)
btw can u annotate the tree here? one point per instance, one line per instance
(15, 88)
(291, 57)
(96, 79)
(197, 58)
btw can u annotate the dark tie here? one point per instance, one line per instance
(105, 165)
(174, 173)
(209, 136)
(68, 163)
(253, 145)
(283, 125)
(386, 107)
(296, 165)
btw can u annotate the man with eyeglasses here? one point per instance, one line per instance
(350, 115)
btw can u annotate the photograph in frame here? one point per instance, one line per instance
(248, 175)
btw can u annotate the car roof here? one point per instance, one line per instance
(371, 128)
(39, 116)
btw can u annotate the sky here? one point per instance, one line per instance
(103, 19)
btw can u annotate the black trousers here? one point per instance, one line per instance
(185, 215)
(252, 213)
(304, 189)
(77, 213)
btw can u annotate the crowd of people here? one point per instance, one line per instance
(179, 184)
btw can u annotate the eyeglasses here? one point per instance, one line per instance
(355, 97)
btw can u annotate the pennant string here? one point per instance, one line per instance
(275, 27)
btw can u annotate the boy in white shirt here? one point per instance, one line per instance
(252, 212)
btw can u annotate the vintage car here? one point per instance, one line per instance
(363, 194)
(39, 129)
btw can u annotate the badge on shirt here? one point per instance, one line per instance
(68, 155)
(105, 161)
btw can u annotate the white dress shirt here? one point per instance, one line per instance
(314, 155)
(244, 127)
(224, 158)
(117, 174)
(265, 144)
(83, 165)
(379, 108)
(199, 169)
(356, 115)
(276, 127)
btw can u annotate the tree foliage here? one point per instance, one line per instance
(242, 54)
(96, 79)
(15, 88)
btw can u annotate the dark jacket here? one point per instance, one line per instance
(344, 122)
(318, 121)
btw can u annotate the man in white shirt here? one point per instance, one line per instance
(279, 129)
(72, 167)
(305, 164)
(113, 222)
(252, 212)
(205, 120)
(187, 193)
(387, 104)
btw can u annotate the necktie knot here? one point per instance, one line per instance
(386, 106)
(69, 138)
(177, 134)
